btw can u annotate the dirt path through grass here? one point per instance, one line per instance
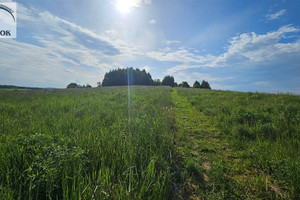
(208, 167)
(205, 158)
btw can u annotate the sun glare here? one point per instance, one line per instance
(124, 6)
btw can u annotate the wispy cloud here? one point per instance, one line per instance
(275, 15)
(152, 21)
(112, 34)
(250, 48)
(58, 52)
(31, 65)
(52, 51)
(71, 35)
(170, 42)
(181, 55)
(245, 50)
(265, 55)
(181, 68)
(191, 77)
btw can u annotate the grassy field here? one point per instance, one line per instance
(148, 143)
(247, 144)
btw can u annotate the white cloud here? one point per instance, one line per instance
(57, 32)
(252, 48)
(178, 55)
(244, 49)
(139, 2)
(275, 15)
(112, 34)
(152, 21)
(170, 42)
(60, 52)
(216, 82)
(54, 32)
(181, 68)
(270, 53)
(247, 49)
(37, 66)
(191, 77)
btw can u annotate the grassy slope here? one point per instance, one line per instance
(80, 144)
(88, 144)
(257, 153)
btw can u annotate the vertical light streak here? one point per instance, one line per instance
(129, 100)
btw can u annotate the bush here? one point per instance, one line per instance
(168, 81)
(73, 85)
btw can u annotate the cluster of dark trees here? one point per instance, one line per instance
(127, 76)
(130, 76)
(75, 85)
(204, 85)
(169, 81)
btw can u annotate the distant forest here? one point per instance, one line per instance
(19, 87)
(130, 76)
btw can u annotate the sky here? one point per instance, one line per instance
(239, 45)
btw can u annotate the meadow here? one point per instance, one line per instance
(263, 135)
(148, 143)
(85, 144)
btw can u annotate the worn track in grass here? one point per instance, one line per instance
(208, 168)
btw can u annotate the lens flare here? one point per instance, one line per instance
(129, 100)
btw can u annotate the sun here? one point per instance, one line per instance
(124, 6)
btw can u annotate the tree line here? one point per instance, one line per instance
(169, 81)
(75, 85)
(130, 76)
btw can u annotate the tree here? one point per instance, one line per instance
(157, 82)
(185, 84)
(196, 85)
(73, 85)
(168, 81)
(127, 76)
(205, 85)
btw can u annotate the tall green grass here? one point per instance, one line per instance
(103, 144)
(265, 128)
(80, 144)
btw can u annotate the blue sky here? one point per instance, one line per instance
(240, 45)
